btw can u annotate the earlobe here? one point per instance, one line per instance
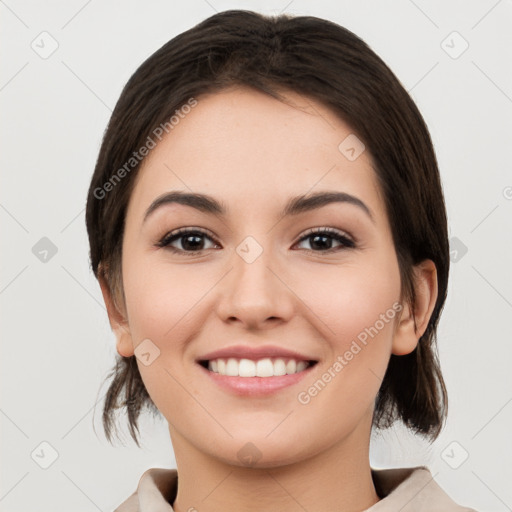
(118, 322)
(124, 344)
(412, 324)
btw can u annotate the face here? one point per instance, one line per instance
(254, 278)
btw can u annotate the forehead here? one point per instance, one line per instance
(243, 146)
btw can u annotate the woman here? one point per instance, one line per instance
(267, 225)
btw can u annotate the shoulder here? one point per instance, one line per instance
(411, 489)
(131, 504)
(156, 489)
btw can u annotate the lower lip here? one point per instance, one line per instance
(256, 386)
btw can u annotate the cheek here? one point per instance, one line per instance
(160, 298)
(350, 299)
(160, 302)
(163, 301)
(361, 319)
(355, 308)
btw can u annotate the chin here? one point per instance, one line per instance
(260, 452)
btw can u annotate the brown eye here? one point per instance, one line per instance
(321, 240)
(191, 240)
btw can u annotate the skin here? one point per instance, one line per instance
(253, 152)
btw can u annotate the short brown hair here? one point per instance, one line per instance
(322, 61)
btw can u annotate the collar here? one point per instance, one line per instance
(405, 489)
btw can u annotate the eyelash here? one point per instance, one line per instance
(339, 236)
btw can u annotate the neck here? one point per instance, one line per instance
(337, 479)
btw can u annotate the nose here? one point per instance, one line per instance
(255, 293)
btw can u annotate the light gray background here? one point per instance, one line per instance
(57, 346)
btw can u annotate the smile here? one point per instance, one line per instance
(264, 367)
(255, 378)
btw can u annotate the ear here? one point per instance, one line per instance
(407, 334)
(118, 322)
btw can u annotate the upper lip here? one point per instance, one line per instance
(260, 352)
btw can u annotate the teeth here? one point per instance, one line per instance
(279, 367)
(291, 366)
(232, 368)
(245, 367)
(266, 367)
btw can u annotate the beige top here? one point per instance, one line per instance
(404, 489)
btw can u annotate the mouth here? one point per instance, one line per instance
(255, 371)
(264, 367)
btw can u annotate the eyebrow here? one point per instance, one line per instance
(296, 205)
